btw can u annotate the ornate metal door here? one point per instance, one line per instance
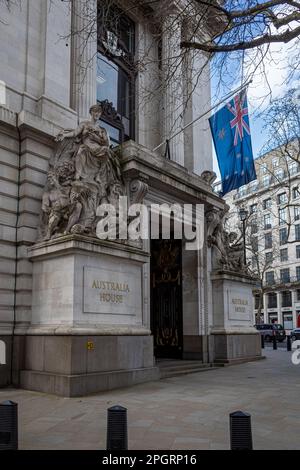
(166, 297)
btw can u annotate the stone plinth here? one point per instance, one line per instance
(89, 329)
(234, 337)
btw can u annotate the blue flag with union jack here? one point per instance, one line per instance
(232, 139)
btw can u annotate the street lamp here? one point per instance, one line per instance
(243, 213)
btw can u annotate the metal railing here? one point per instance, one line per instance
(282, 282)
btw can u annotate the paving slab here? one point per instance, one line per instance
(186, 412)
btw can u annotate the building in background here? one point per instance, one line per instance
(272, 235)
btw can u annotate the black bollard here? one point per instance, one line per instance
(240, 431)
(117, 437)
(262, 338)
(8, 425)
(274, 342)
(288, 343)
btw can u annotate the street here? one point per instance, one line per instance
(187, 412)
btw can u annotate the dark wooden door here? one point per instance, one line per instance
(166, 297)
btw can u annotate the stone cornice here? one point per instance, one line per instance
(139, 162)
(77, 243)
(82, 330)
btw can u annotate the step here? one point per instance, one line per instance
(165, 374)
(180, 366)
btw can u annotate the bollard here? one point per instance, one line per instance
(240, 431)
(274, 342)
(288, 343)
(262, 342)
(117, 437)
(8, 425)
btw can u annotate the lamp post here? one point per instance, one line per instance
(243, 213)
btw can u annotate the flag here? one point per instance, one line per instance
(232, 139)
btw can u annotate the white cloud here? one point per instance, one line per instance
(272, 78)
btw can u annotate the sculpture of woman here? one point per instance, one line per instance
(93, 156)
(84, 172)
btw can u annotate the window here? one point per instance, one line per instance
(272, 300)
(297, 232)
(267, 221)
(297, 213)
(269, 257)
(270, 279)
(257, 298)
(253, 208)
(293, 168)
(115, 77)
(283, 236)
(298, 295)
(285, 275)
(268, 240)
(298, 251)
(266, 180)
(282, 198)
(284, 254)
(273, 318)
(279, 174)
(287, 320)
(275, 162)
(254, 244)
(254, 228)
(295, 192)
(264, 169)
(286, 298)
(298, 273)
(254, 262)
(282, 216)
(267, 204)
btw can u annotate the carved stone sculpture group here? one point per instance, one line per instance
(84, 173)
(227, 248)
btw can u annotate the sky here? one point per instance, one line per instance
(275, 79)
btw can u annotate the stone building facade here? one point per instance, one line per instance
(273, 206)
(52, 72)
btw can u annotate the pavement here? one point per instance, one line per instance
(187, 412)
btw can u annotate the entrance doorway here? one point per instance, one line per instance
(166, 298)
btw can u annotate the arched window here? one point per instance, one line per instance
(115, 68)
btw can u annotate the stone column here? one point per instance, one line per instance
(266, 319)
(294, 300)
(172, 86)
(84, 56)
(279, 311)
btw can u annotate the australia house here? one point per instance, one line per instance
(90, 93)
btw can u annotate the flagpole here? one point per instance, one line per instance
(204, 114)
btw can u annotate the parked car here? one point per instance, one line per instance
(268, 330)
(295, 334)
